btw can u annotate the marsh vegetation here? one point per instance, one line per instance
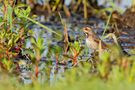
(42, 45)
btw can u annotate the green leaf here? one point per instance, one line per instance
(10, 42)
(1, 19)
(21, 12)
(9, 16)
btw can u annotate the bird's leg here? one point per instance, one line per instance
(94, 60)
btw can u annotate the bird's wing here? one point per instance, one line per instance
(98, 40)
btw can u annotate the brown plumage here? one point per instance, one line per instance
(92, 40)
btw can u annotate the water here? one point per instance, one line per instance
(123, 4)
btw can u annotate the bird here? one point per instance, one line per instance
(92, 40)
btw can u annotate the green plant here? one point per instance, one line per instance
(22, 13)
(75, 51)
(38, 48)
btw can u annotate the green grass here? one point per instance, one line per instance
(84, 82)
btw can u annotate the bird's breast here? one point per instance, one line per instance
(91, 44)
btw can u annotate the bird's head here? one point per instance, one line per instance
(87, 31)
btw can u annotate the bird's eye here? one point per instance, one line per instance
(86, 35)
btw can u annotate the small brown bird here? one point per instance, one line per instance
(92, 40)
